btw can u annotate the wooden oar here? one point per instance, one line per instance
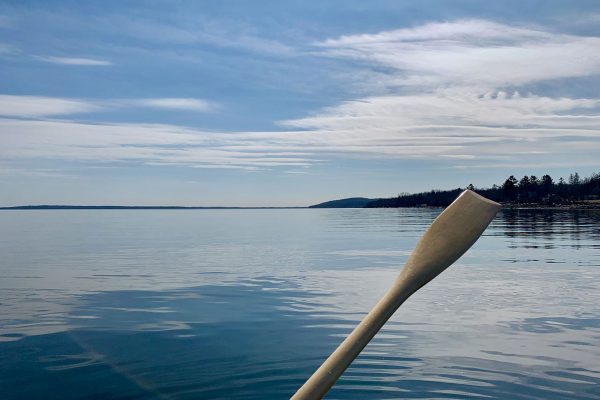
(451, 234)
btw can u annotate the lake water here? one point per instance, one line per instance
(246, 304)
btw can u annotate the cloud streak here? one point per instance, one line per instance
(87, 62)
(40, 106)
(221, 34)
(187, 104)
(148, 144)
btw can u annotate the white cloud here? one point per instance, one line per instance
(447, 108)
(484, 31)
(189, 104)
(471, 52)
(91, 62)
(38, 106)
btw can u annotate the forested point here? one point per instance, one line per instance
(529, 191)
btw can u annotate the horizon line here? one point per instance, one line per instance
(121, 207)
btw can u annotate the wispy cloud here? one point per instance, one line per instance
(188, 104)
(39, 106)
(142, 143)
(7, 49)
(221, 34)
(89, 62)
(476, 53)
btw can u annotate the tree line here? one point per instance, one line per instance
(529, 190)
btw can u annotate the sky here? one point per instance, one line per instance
(290, 103)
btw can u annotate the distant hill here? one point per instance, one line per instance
(352, 202)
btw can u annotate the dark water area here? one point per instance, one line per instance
(246, 304)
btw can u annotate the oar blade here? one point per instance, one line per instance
(450, 235)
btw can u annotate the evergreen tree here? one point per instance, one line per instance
(524, 187)
(509, 188)
(546, 189)
(574, 179)
(547, 181)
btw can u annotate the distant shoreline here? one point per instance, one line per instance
(63, 207)
(564, 207)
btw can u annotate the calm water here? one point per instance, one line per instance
(245, 304)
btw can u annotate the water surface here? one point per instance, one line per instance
(245, 304)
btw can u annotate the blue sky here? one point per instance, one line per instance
(287, 103)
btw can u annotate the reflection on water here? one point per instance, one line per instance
(570, 226)
(245, 304)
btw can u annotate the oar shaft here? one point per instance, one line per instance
(323, 379)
